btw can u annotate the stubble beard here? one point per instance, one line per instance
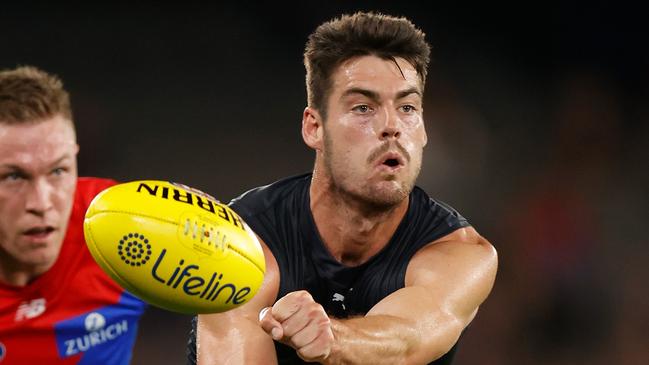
(376, 197)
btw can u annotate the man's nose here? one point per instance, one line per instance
(39, 197)
(391, 127)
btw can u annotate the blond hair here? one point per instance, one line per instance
(28, 94)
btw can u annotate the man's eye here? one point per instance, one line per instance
(59, 171)
(362, 108)
(12, 176)
(408, 108)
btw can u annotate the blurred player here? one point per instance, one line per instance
(362, 266)
(56, 304)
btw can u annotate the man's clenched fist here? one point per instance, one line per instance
(298, 321)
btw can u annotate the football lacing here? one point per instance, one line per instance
(209, 233)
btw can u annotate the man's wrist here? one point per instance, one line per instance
(339, 329)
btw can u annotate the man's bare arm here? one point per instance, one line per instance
(445, 283)
(234, 337)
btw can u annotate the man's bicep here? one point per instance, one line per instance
(446, 281)
(235, 336)
(458, 271)
(453, 274)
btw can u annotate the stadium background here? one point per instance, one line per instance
(538, 130)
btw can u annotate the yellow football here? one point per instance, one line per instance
(174, 247)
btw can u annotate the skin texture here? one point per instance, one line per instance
(368, 156)
(37, 183)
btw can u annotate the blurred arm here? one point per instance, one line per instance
(234, 337)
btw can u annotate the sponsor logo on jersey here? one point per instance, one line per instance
(100, 334)
(30, 309)
(94, 322)
(339, 298)
(97, 333)
(3, 351)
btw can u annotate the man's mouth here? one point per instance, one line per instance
(391, 160)
(39, 232)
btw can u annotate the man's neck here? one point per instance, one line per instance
(13, 275)
(351, 230)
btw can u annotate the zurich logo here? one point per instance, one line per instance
(94, 322)
(3, 351)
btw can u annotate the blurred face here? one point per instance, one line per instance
(374, 133)
(38, 172)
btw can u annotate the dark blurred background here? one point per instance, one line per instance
(538, 128)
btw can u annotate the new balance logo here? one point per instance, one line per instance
(30, 309)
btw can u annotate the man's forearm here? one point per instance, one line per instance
(385, 339)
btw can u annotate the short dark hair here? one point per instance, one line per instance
(28, 94)
(360, 34)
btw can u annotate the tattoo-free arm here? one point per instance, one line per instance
(446, 281)
(234, 337)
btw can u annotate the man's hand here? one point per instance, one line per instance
(298, 321)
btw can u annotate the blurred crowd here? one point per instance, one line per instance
(564, 202)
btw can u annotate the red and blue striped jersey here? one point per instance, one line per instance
(74, 313)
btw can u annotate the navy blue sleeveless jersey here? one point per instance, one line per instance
(280, 214)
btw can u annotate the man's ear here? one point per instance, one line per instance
(312, 131)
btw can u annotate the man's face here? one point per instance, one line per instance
(374, 133)
(38, 172)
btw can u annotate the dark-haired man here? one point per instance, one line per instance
(362, 266)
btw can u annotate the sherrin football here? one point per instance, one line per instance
(174, 247)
